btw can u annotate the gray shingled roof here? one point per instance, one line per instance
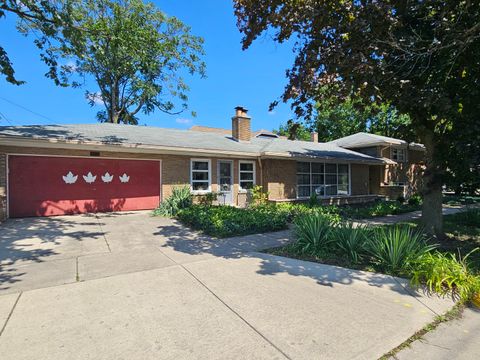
(112, 134)
(362, 139)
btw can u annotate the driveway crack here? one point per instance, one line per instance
(10, 314)
(103, 232)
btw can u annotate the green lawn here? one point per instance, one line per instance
(462, 236)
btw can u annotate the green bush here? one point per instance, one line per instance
(207, 199)
(381, 208)
(444, 274)
(312, 233)
(350, 241)
(226, 221)
(313, 200)
(467, 218)
(415, 200)
(300, 210)
(181, 198)
(394, 248)
(259, 197)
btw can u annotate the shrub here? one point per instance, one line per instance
(401, 199)
(394, 248)
(300, 210)
(350, 240)
(207, 199)
(181, 198)
(312, 233)
(259, 197)
(444, 274)
(415, 200)
(225, 221)
(467, 218)
(313, 200)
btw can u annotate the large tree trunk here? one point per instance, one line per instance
(432, 217)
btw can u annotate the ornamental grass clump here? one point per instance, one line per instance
(394, 248)
(313, 234)
(180, 198)
(446, 274)
(350, 241)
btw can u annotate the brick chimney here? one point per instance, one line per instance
(241, 125)
(314, 136)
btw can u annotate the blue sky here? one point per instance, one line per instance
(251, 78)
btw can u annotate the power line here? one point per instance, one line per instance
(2, 116)
(27, 109)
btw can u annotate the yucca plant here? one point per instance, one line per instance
(350, 240)
(393, 248)
(445, 273)
(180, 198)
(312, 233)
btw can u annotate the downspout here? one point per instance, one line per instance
(261, 171)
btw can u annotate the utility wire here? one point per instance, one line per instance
(2, 116)
(27, 109)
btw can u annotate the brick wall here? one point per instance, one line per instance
(392, 192)
(359, 179)
(3, 187)
(409, 172)
(280, 178)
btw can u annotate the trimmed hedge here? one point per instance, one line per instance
(227, 221)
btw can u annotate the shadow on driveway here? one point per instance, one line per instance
(184, 240)
(40, 239)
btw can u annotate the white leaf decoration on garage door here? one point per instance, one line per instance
(70, 178)
(107, 178)
(124, 178)
(89, 178)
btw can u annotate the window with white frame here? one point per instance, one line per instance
(246, 175)
(200, 177)
(399, 155)
(324, 179)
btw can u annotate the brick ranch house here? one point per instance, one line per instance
(67, 169)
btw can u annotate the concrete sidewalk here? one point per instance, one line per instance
(457, 339)
(128, 286)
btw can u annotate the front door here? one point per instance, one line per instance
(225, 182)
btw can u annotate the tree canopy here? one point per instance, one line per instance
(293, 131)
(333, 120)
(51, 18)
(137, 55)
(422, 56)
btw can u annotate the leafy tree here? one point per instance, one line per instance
(422, 56)
(293, 131)
(333, 119)
(50, 19)
(136, 54)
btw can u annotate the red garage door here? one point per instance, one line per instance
(46, 186)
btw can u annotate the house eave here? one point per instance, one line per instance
(131, 148)
(294, 156)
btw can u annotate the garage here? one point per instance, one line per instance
(54, 185)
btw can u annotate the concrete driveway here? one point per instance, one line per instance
(130, 286)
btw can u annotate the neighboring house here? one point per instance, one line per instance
(404, 163)
(66, 169)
